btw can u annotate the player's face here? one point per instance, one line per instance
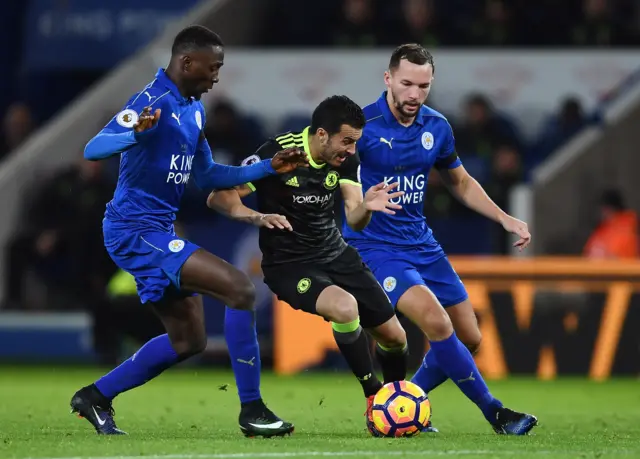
(202, 69)
(409, 86)
(338, 147)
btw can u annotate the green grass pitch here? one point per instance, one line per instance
(188, 414)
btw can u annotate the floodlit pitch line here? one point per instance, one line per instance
(337, 454)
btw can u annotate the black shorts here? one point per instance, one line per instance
(300, 285)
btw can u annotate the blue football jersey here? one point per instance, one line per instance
(391, 152)
(154, 173)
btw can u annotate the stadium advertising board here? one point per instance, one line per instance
(93, 34)
(546, 317)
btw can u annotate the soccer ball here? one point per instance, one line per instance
(400, 409)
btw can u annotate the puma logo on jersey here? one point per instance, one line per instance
(388, 142)
(293, 181)
(176, 117)
(146, 93)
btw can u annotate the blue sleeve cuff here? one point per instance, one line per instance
(268, 167)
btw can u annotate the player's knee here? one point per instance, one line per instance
(344, 309)
(189, 345)
(197, 344)
(436, 324)
(473, 344)
(243, 295)
(394, 338)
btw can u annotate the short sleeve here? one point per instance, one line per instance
(266, 151)
(447, 156)
(350, 171)
(126, 118)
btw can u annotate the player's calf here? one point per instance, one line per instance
(184, 321)
(341, 308)
(391, 350)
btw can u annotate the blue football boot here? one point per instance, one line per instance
(509, 422)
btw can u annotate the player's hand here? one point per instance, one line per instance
(147, 120)
(273, 221)
(519, 228)
(378, 198)
(289, 159)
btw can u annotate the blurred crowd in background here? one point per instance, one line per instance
(60, 241)
(468, 23)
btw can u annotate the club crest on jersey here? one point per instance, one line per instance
(250, 160)
(331, 180)
(199, 119)
(427, 140)
(176, 245)
(304, 285)
(127, 118)
(389, 284)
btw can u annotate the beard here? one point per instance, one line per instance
(401, 107)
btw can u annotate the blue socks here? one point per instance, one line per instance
(242, 341)
(454, 360)
(151, 359)
(429, 375)
(157, 355)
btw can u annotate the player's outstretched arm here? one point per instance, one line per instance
(469, 192)
(210, 175)
(229, 203)
(109, 143)
(359, 209)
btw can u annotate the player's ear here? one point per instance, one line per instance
(387, 77)
(322, 135)
(186, 63)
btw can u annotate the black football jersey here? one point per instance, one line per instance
(306, 197)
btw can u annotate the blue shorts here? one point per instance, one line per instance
(153, 257)
(398, 271)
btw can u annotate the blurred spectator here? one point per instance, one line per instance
(617, 234)
(357, 25)
(17, 125)
(295, 23)
(483, 129)
(62, 239)
(495, 27)
(229, 136)
(506, 172)
(596, 27)
(560, 128)
(418, 23)
(439, 202)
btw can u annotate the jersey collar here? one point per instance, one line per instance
(307, 150)
(164, 80)
(391, 120)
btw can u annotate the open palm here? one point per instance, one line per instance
(378, 198)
